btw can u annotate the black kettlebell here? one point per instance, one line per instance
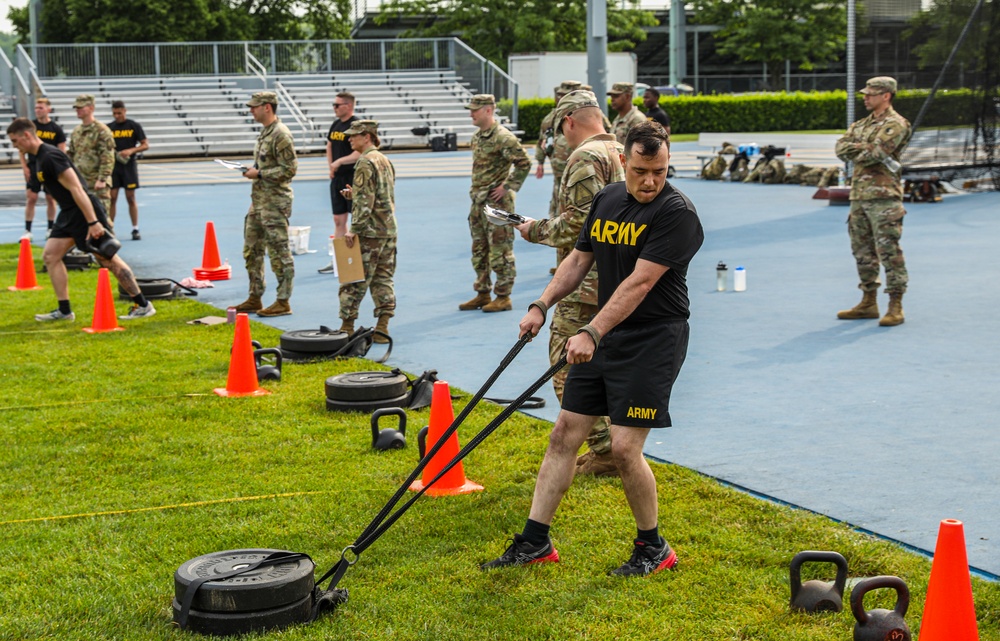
(389, 439)
(880, 625)
(422, 441)
(817, 596)
(268, 372)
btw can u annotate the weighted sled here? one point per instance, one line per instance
(264, 588)
(366, 386)
(365, 406)
(150, 288)
(230, 623)
(313, 341)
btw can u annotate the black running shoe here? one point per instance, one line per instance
(647, 559)
(521, 552)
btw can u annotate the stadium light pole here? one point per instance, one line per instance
(851, 71)
(597, 46)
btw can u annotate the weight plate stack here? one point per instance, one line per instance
(266, 598)
(310, 344)
(366, 391)
(156, 288)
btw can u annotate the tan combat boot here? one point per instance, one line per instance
(501, 304)
(280, 307)
(347, 326)
(382, 326)
(251, 304)
(481, 300)
(867, 308)
(895, 314)
(595, 464)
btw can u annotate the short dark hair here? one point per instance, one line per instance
(649, 136)
(117, 104)
(652, 92)
(347, 95)
(20, 125)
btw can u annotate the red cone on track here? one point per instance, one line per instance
(25, 269)
(242, 380)
(442, 416)
(105, 319)
(949, 613)
(211, 266)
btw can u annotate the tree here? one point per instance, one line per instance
(80, 21)
(498, 28)
(940, 26)
(805, 32)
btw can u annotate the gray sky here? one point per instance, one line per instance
(4, 5)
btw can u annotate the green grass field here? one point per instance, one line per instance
(119, 464)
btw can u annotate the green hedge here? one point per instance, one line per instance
(798, 111)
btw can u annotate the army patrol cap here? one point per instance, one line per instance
(83, 100)
(263, 98)
(571, 102)
(880, 84)
(481, 100)
(620, 88)
(567, 86)
(363, 127)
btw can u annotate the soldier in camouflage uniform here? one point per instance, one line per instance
(767, 171)
(628, 114)
(810, 175)
(594, 163)
(92, 150)
(552, 144)
(875, 222)
(499, 167)
(373, 225)
(266, 224)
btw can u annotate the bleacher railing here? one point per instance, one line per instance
(99, 60)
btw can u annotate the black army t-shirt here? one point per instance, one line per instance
(660, 116)
(50, 133)
(620, 230)
(128, 134)
(340, 146)
(50, 162)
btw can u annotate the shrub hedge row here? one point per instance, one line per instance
(800, 111)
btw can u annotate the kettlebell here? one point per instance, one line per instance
(268, 372)
(389, 439)
(422, 441)
(880, 625)
(817, 596)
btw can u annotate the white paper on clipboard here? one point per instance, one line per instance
(228, 164)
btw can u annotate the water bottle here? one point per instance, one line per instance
(720, 277)
(739, 279)
(892, 164)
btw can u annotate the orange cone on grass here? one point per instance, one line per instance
(242, 380)
(442, 416)
(949, 613)
(211, 265)
(26, 279)
(105, 318)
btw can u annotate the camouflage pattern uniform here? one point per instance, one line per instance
(714, 169)
(875, 222)
(266, 224)
(592, 166)
(622, 124)
(497, 159)
(768, 172)
(810, 175)
(92, 150)
(559, 150)
(373, 221)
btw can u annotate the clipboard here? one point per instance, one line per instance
(228, 164)
(350, 269)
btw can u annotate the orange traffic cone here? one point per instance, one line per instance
(25, 269)
(105, 319)
(242, 380)
(454, 481)
(949, 613)
(211, 266)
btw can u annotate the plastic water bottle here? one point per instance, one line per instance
(892, 164)
(720, 277)
(740, 279)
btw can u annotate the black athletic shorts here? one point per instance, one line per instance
(33, 183)
(340, 204)
(70, 223)
(630, 376)
(126, 175)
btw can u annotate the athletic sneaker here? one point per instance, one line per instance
(27, 235)
(54, 316)
(521, 552)
(329, 269)
(647, 559)
(139, 312)
(135, 235)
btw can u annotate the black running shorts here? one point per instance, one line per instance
(630, 376)
(125, 176)
(340, 204)
(70, 223)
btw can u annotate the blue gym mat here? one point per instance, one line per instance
(887, 429)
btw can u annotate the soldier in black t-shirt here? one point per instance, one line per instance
(651, 101)
(48, 132)
(81, 221)
(642, 234)
(130, 140)
(341, 158)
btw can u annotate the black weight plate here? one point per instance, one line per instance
(364, 406)
(365, 386)
(313, 340)
(264, 588)
(155, 288)
(229, 623)
(295, 357)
